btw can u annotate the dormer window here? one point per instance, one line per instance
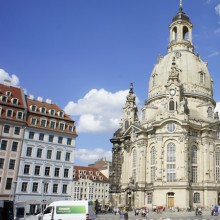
(61, 126)
(43, 110)
(14, 101)
(101, 178)
(8, 93)
(91, 172)
(80, 171)
(94, 177)
(4, 98)
(43, 123)
(33, 121)
(20, 115)
(70, 128)
(97, 173)
(61, 114)
(9, 113)
(33, 108)
(52, 112)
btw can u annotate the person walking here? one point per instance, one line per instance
(126, 215)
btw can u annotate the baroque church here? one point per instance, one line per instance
(171, 155)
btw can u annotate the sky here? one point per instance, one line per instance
(83, 55)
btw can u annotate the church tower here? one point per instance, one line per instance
(171, 157)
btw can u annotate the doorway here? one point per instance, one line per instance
(170, 200)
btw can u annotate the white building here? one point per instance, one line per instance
(171, 156)
(47, 157)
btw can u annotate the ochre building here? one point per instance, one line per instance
(171, 155)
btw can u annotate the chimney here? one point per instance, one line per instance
(31, 97)
(40, 99)
(49, 101)
(7, 82)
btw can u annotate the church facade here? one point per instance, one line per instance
(170, 156)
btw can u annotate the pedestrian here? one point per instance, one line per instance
(126, 215)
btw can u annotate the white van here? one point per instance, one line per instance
(67, 210)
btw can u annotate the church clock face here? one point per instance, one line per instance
(172, 92)
(171, 127)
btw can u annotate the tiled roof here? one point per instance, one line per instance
(91, 172)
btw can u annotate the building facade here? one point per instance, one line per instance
(47, 157)
(90, 184)
(171, 155)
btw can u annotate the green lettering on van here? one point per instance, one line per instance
(71, 210)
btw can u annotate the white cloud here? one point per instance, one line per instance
(89, 156)
(98, 111)
(217, 9)
(217, 108)
(213, 54)
(5, 76)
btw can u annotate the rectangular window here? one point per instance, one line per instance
(171, 172)
(51, 138)
(24, 187)
(31, 135)
(14, 146)
(17, 130)
(57, 172)
(20, 115)
(9, 113)
(49, 154)
(46, 187)
(67, 156)
(152, 176)
(60, 140)
(4, 144)
(69, 141)
(66, 173)
(29, 151)
(2, 163)
(55, 188)
(6, 129)
(149, 198)
(43, 123)
(58, 157)
(41, 136)
(47, 171)
(62, 126)
(33, 121)
(11, 164)
(52, 124)
(26, 169)
(35, 187)
(70, 128)
(194, 174)
(64, 191)
(37, 170)
(39, 153)
(8, 183)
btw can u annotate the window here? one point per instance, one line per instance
(46, 187)
(2, 163)
(201, 77)
(64, 191)
(60, 140)
(49, 154)
(69, 141)
(218, 132)
(11, 164)
(52, 111)
(210, 112)
(29, 151)
(149, 198)
(14, 146)
(20, 115)
(47, 171)
(24, 187)
(153, 155)
(9, 113)
(17, 130)
(194, 154)
(34, 108)
(14, 101)
(41, 136)
(134, 165)
(171, 105)
(52, 124)
(37, 170)
(217, 164)
(66, 173)
(62, 126)
(196, 197)
(8, 93)
(61, 114)
(70, 128)
(171, 152)
(43, 110)
(67, 156)
(194, 174)
(55, 188)
(6, 129)
(152, 174)
(58, 157)
(4, 99)
(57, 172)
(39, 152)
(51, 138)
(154, 80)
(31, 135)
(171, 127)
(171, 172)
(8, 183)
(35, 187)
(4, 144)
(43, 123)
(26, 169)
(33, 121)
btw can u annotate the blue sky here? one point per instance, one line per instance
(83, 54)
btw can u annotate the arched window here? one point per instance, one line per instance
(153, 162)
(194, 154)
(171, 152)
(171, 105)
(126, 125)
(217, 164)
(196, 197)
(174, 33)
(201, 78)
(134, 164)
(210, 112)
(185, 33)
